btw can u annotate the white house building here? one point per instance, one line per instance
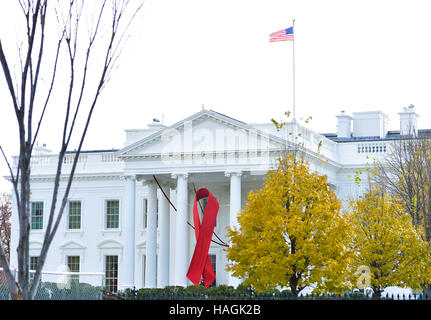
(119, 222)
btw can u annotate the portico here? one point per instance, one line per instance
(169, 242)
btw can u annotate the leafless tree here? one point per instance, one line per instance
(73, 42)
(406, 174)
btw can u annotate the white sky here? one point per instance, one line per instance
(350, 55)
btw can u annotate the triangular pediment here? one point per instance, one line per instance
(205, 131)
(72, 245)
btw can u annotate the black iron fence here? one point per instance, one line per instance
(229, 293)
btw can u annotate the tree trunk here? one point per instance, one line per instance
(294, 291)
(15, 291)
(377, 292)
(293, 283)
(17, 295)
(23, 96)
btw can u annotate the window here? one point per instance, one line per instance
(112, 214)
(213, 259)
(74, 215)
(73, 265)
(111, 273)
(145, 212)
(203, 205)
(37, 215)
(205, 202)
(144, 266)
(34, 261)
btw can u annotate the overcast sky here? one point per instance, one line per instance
(350, 55)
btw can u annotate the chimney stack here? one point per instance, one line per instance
(408, 120)
(344, 125)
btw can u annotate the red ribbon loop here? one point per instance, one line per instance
(200, 266)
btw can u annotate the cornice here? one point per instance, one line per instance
(80, 177)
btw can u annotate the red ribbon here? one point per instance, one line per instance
(200, 266)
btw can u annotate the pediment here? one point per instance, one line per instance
(110, 244)
(72, 245)
(205, 131)
(141, 245)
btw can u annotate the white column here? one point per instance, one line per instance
(235, 208)
(151, 242)
(164, 229)
(129, 226)
(235, 197)
(172, 226)
(181, 255)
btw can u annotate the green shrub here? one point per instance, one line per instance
(242, 292)
(195, 291)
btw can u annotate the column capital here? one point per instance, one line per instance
(184, 175)
(233, 173)
(168, 184)
(148, 182)
(128, 177)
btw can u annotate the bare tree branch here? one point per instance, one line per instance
(32, 58)
(54, 72)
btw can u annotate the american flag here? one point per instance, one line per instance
(282, 35)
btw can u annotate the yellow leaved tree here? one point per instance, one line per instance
(386, 242)
(291, 233)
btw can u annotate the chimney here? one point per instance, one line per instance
(370, 124)
(408, 120)
(344, 125)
